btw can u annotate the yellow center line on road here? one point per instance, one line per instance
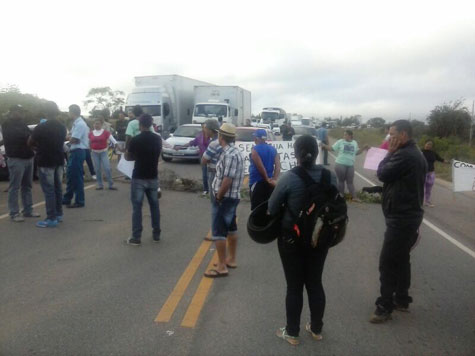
(170, 305)
(194, 309)
(42, 203)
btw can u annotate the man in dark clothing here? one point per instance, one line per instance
(48, 139)
(287, 131)
(403, 173)
(145, 149)
(20, 164)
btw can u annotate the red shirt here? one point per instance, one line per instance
(99, 142)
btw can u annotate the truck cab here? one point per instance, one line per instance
(212, 110)
(275, 117)
(154, 102)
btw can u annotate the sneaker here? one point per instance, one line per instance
(99, 188)
(380, 316)
(292, 340)
(429, 204)
(94, 177)
(47, 223)
(205, 193)
(156, 239)
(113, 188)
(17, 218)
(31, 215)
(59, 218)
(133, 242)
(317, 337)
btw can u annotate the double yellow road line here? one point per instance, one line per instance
(194, 309)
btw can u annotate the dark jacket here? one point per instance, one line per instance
(403, 174)
(15, 138)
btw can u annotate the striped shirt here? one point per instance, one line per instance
(212, 153)
(230, 164)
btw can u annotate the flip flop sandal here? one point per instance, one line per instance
(229, 266)
(207, 239)
(215, 274)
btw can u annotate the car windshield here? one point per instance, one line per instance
(244, 135)
(269, 116)
(210, 110)
(152, 110)
(300, 130)
(187, 131)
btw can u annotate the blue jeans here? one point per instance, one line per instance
(51, 180)
(101, 160)
(223, 216)
(139, 188)
(75, 178)
(204, 171)
(21, 176)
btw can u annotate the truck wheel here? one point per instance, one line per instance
(166, 159)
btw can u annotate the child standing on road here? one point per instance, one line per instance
(430, 156)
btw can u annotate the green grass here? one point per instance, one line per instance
(448, 148)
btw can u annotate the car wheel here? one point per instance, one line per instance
(166, 159)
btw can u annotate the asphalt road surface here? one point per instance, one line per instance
(79, 290)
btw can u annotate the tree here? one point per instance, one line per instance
(104, 100)
(450, 119)
(376, 122)
(34, 106)
(352, 120)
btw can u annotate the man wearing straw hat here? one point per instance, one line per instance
(226, 189)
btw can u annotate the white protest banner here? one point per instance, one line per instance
(463, 176)
(285, 149)
(126, 167)
(373, 157)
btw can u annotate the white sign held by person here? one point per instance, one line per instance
(463, 176)
(285, 149)
(126, 167)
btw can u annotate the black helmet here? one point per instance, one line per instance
(262, 227)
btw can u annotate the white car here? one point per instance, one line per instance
(173, 146)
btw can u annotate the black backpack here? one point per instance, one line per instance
(323, 218)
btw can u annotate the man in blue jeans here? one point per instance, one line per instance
(79, 144)
(20, 164)
(145, 150)
(226, 195)
(48, 139)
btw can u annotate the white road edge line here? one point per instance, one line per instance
(429, 224)
(42, 203)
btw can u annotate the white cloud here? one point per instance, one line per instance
(373, 58)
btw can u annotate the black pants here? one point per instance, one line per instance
(325, 156)
(303, 266)
(260, 192)
(394, 264)
(89, 163)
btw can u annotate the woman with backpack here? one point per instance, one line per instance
(347, 149)
(302, 262)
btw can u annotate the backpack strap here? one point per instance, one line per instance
(303, 175)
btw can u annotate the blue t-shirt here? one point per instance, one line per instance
(267, 154)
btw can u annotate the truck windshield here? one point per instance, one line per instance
(211, 110)
(152, 110)
(269, 116)
(187, 131)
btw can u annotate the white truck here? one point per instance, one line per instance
(231, 103)
(274, 117)
(167, 98)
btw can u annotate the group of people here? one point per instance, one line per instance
(403, 173)
(47, 144)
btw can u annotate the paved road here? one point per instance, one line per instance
(78, 290)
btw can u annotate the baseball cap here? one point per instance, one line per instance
(260, 133)
(212, 124)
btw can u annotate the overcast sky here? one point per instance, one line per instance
(373, 58)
